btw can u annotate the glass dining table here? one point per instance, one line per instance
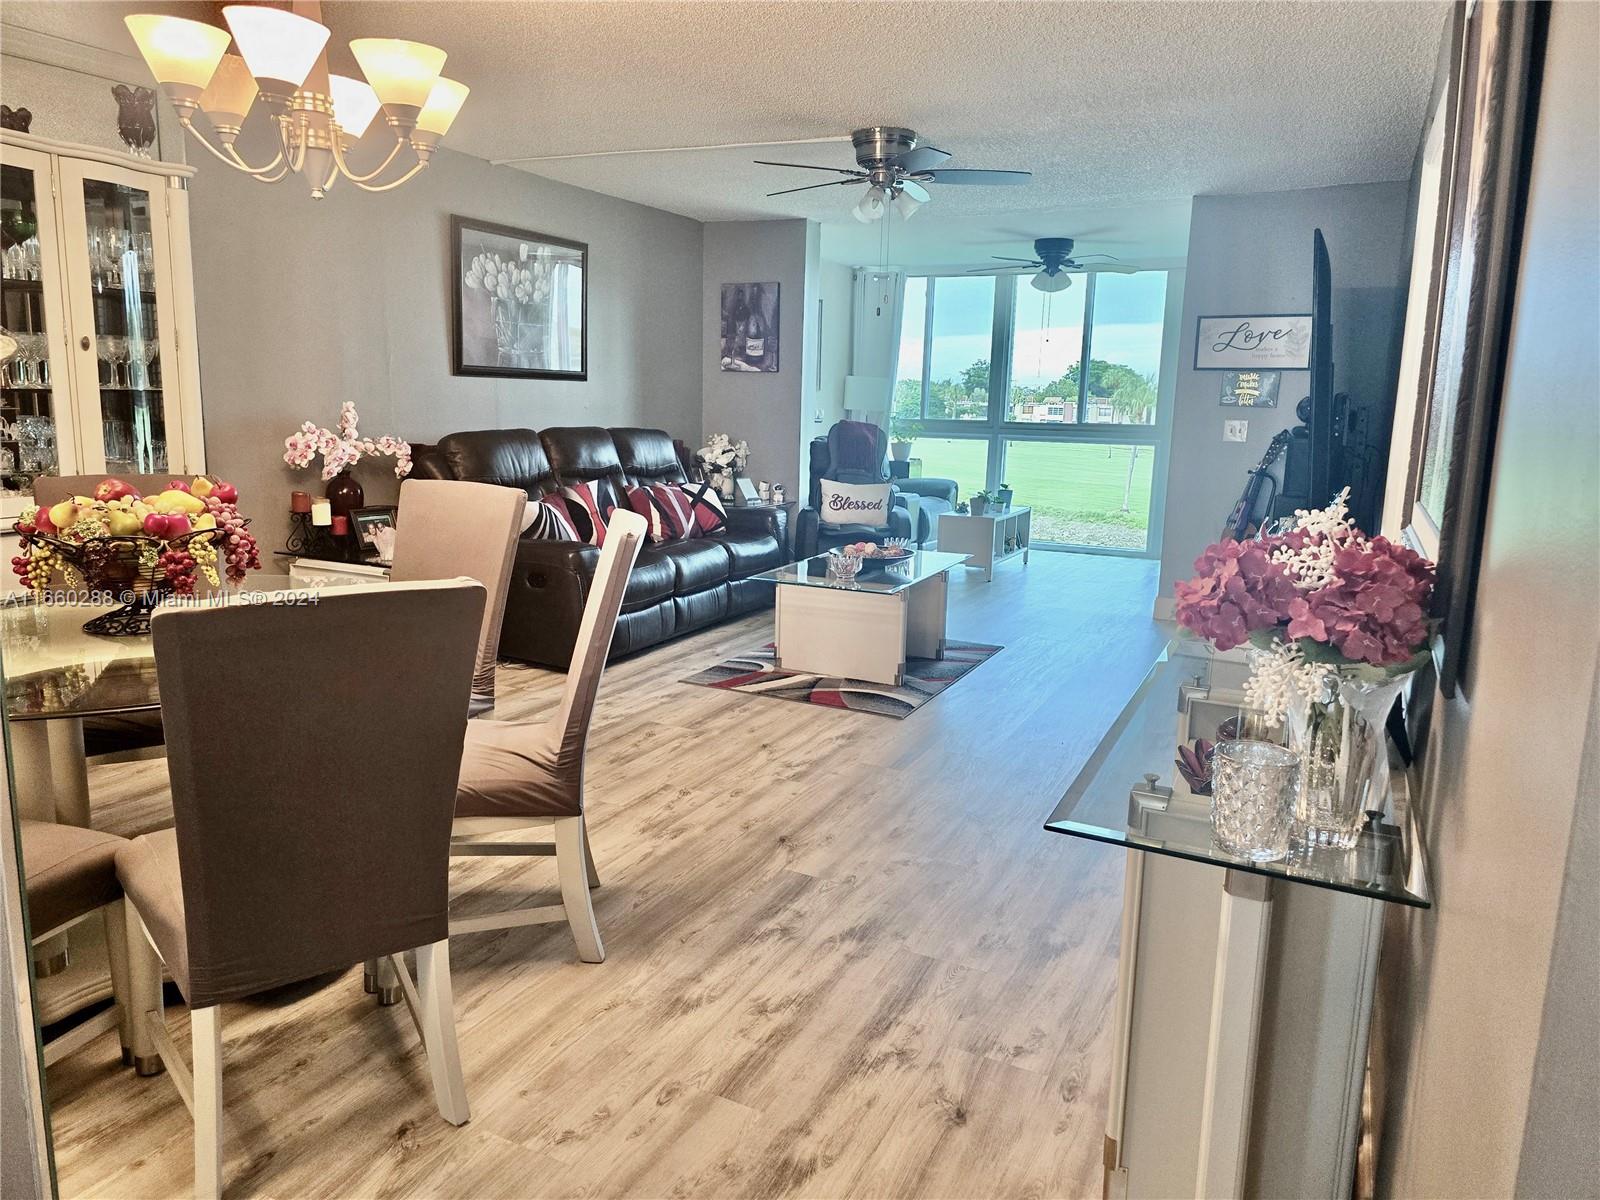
(55, 676)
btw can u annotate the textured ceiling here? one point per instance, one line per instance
(1105, 102)
(1110, 104)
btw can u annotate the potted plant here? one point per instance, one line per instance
(1002, 497)
(723, 459)
(340, 451)
(979, 502)
(900, 438)
(1337, 620)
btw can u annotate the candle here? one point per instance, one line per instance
(299, 502)
(321, 512)
(341, 525)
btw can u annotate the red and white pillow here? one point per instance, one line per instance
(665, 507)
(706, 507)
(548, 519)
(590, 505)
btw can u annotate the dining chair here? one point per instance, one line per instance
(518, 776)
(313, 746)
(448, 527)
(70, 876)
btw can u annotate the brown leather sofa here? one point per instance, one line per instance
(674, 588)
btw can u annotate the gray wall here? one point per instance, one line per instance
(770, 411)
(1252, 254)
(1493, 993)
(835, 290)
(303, 304)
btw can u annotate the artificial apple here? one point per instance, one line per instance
(177, 485)
(114, 489)
(201, 487)
(122, 522)
(64, 514)
(155, 524)
(225, 492)
(42, 522)
(177, 525)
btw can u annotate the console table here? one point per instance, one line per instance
(1244, 989)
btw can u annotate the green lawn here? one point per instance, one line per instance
(1075, 489)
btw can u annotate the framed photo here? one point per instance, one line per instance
(1250, 389)
(1253, 343)
(746, 490)
(749, 327)
(364, 526)
(1484, 115)
(520, 302)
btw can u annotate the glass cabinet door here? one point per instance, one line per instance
(36, 436)
(121, 296)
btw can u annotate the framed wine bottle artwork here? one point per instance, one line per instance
(749, 335)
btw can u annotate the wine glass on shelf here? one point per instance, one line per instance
(147, 261)
(143, 351)
(32, 260)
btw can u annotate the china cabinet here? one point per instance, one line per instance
(97, 288)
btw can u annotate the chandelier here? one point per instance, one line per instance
(319, 116)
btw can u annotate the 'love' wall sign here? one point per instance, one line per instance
(1279, 343)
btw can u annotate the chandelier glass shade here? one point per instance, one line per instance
(281, 64)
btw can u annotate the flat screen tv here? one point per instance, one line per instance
(1324, 470)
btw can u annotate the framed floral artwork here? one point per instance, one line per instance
(521, 302)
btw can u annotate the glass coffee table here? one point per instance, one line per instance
(864, 628)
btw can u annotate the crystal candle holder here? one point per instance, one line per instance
(1252, 798)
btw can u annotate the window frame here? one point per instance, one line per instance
(998, 431)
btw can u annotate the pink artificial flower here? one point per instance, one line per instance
(1237, 590)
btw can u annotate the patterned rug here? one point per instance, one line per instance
(754, 675)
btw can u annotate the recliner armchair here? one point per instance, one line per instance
(915, 504)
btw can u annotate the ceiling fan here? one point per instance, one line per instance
(894, 165)
(1054, 261)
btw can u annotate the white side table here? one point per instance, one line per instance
(990, 539)
(323, 572)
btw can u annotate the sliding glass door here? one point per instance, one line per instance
(993, 388)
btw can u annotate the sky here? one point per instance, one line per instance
(1048, 337)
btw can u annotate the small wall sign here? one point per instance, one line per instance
(1280, 343)
(1250, 389)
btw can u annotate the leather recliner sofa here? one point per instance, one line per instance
(919, 523)
(675, 588)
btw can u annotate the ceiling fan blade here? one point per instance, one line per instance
(962, 175)
(923, 158)
(1027, 262)
(813, 186)
(1112, 257)
(1018, 269)
(1108, 269)
(915, 190)
(761, 162)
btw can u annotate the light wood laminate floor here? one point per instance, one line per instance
(844, 957)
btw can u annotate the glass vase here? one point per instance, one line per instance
(1252, 798)
(1338, 732)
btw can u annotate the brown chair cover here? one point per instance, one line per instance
(523, 768)
(313, 750)
(70, 872)
(447, 528)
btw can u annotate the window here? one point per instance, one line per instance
(1077, 443)
(1046, 348)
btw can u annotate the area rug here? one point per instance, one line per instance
(925, 678)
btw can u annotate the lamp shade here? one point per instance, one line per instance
(1058, 282)
(181, 54)
(229, 94)
(444, 102)
(354, 104)
(906, 205)
(279, 47)
(401, 72)
(872, 206)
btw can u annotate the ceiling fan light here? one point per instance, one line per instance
(228, 96)
(402, 73)
(1046, 282)
(354, 104)
(279, 47)
(444, 102)
(872, 206)
(906, 205)
(181, 54)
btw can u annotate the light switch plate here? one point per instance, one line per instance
(1235, 431)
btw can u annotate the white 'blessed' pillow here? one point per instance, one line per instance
(854, 503)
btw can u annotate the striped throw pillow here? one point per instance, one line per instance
(590, 504)
(666, 509)
(550, 522)
(709, 514)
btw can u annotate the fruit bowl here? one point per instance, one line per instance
(125, 567)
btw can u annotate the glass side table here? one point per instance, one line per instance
(1245, 988)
